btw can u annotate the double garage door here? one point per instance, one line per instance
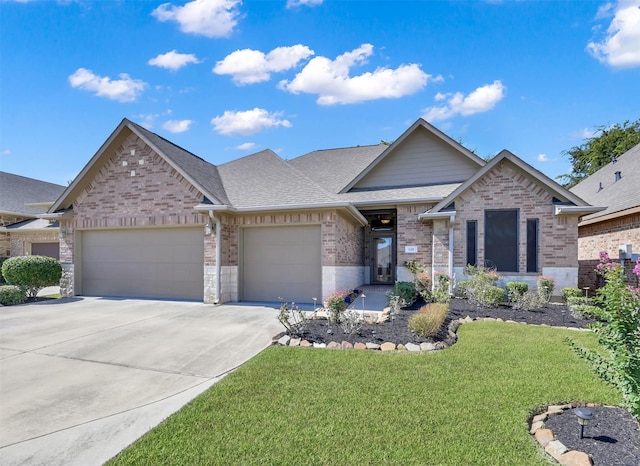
(164, 263)
(281, 262)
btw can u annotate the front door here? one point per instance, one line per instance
(383, 258)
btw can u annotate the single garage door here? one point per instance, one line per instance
(281, 262)
(165, 263)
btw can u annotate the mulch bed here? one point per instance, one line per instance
(612, 438)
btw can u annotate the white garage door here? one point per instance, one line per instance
(164, 263)
(281, 262)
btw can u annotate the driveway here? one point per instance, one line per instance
(82, 378)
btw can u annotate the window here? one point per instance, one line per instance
(501, 239)
(532, 245)
(472, 242)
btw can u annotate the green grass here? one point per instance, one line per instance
(465, 405)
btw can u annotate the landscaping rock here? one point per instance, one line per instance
(334, 345)
(575, 458)
(557, 409)
(555, 449)
(360, 346)
(540, 417)
(412, 347)
(401, 347)
(544, 437)
(427, 346)
(284, 340)
(319, 345)
(305, 343)
(294, 342)
(535, 426)
(275, 338)
(373, 346)
(346, 345)
(388, 346)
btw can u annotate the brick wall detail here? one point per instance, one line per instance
(20, 242)
(5, 236)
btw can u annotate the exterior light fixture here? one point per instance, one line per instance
(208, 228)
(584, 416)
(385, 221)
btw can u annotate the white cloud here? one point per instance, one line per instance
(173, 60)
(177, 126)
(6, 152)
(249, 66)
(482, 99)
(296, 3)
(147, 120)
(210, 18)
(246, 146)
(621, 45)
(124, 89)
(542, 158)
(331, 81)
(247, 122)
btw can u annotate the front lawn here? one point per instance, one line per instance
(468, 404)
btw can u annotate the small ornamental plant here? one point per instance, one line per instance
(619, 334)
(428, 320)
(545, 288)
(292, 319)
(335, 305)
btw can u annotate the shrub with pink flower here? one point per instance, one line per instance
(636, 269)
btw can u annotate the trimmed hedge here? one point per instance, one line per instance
(2, 280)
(32, 272)
(11, 294)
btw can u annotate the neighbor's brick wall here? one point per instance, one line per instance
(506, 187)
(20, 242)
(606, 236)
(5, 237)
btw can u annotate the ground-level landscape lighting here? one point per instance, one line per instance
(584, 416)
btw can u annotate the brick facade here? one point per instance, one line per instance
(21, 242)
(5, 236)
(607, 236)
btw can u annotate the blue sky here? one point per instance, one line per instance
(224, 78)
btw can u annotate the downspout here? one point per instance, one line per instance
(433, 257)
(451, 220)
(216, 220)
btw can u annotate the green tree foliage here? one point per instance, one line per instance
(32, 272)
(598, 150)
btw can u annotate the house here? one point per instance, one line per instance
(22, 199)
(616, 229)
(146, 218)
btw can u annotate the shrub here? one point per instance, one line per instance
(293, 319)
(587, 310)
(428, 320)
(422, 282)
(526, 301)
(11, 294)
(461, 289)
(571, 292)
(619, 335)
(406, 292)
(545, 288)
(415, 267)
(516, 289)
(441, 292)
(579, 300)
(351, 322)
(2, 280)
(32, 272)
(336, 304)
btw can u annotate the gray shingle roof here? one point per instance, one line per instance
(602, 189)
(336, 168)
(16, 191)
(264, 179)
(200, 171)
(414, 194)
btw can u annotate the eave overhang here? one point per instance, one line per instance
(576, 210)
(442, 215)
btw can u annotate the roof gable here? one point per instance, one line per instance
(422, 155)
(198, 172)
(605, 188)
(547, 183)
(20, 195)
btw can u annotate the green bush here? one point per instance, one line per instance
(11, 294)
(461, 289)
(545, 288)
(588, 311)
(441, 293)
(579, 301)
(526, 301)
(406, 291)
(494, 296)
(571, 292)
(515, 289)
(32, 272)
(335, 304)
(428, 320)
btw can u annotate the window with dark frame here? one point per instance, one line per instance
(501, 239)
(532, 245)
(472, 242)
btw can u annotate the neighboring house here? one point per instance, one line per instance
(146, 218)
(617, 186)
(22, 200)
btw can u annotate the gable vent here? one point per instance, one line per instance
(618, 176)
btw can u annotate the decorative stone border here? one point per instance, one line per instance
(283, 339)
(554, 447)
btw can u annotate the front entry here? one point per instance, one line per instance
(383, 260)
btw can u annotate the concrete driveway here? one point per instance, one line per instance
(82, 378)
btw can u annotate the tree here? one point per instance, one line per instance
(600, 149)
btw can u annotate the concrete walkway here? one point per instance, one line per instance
(82, 378)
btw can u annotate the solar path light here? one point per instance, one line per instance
(584, 416)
